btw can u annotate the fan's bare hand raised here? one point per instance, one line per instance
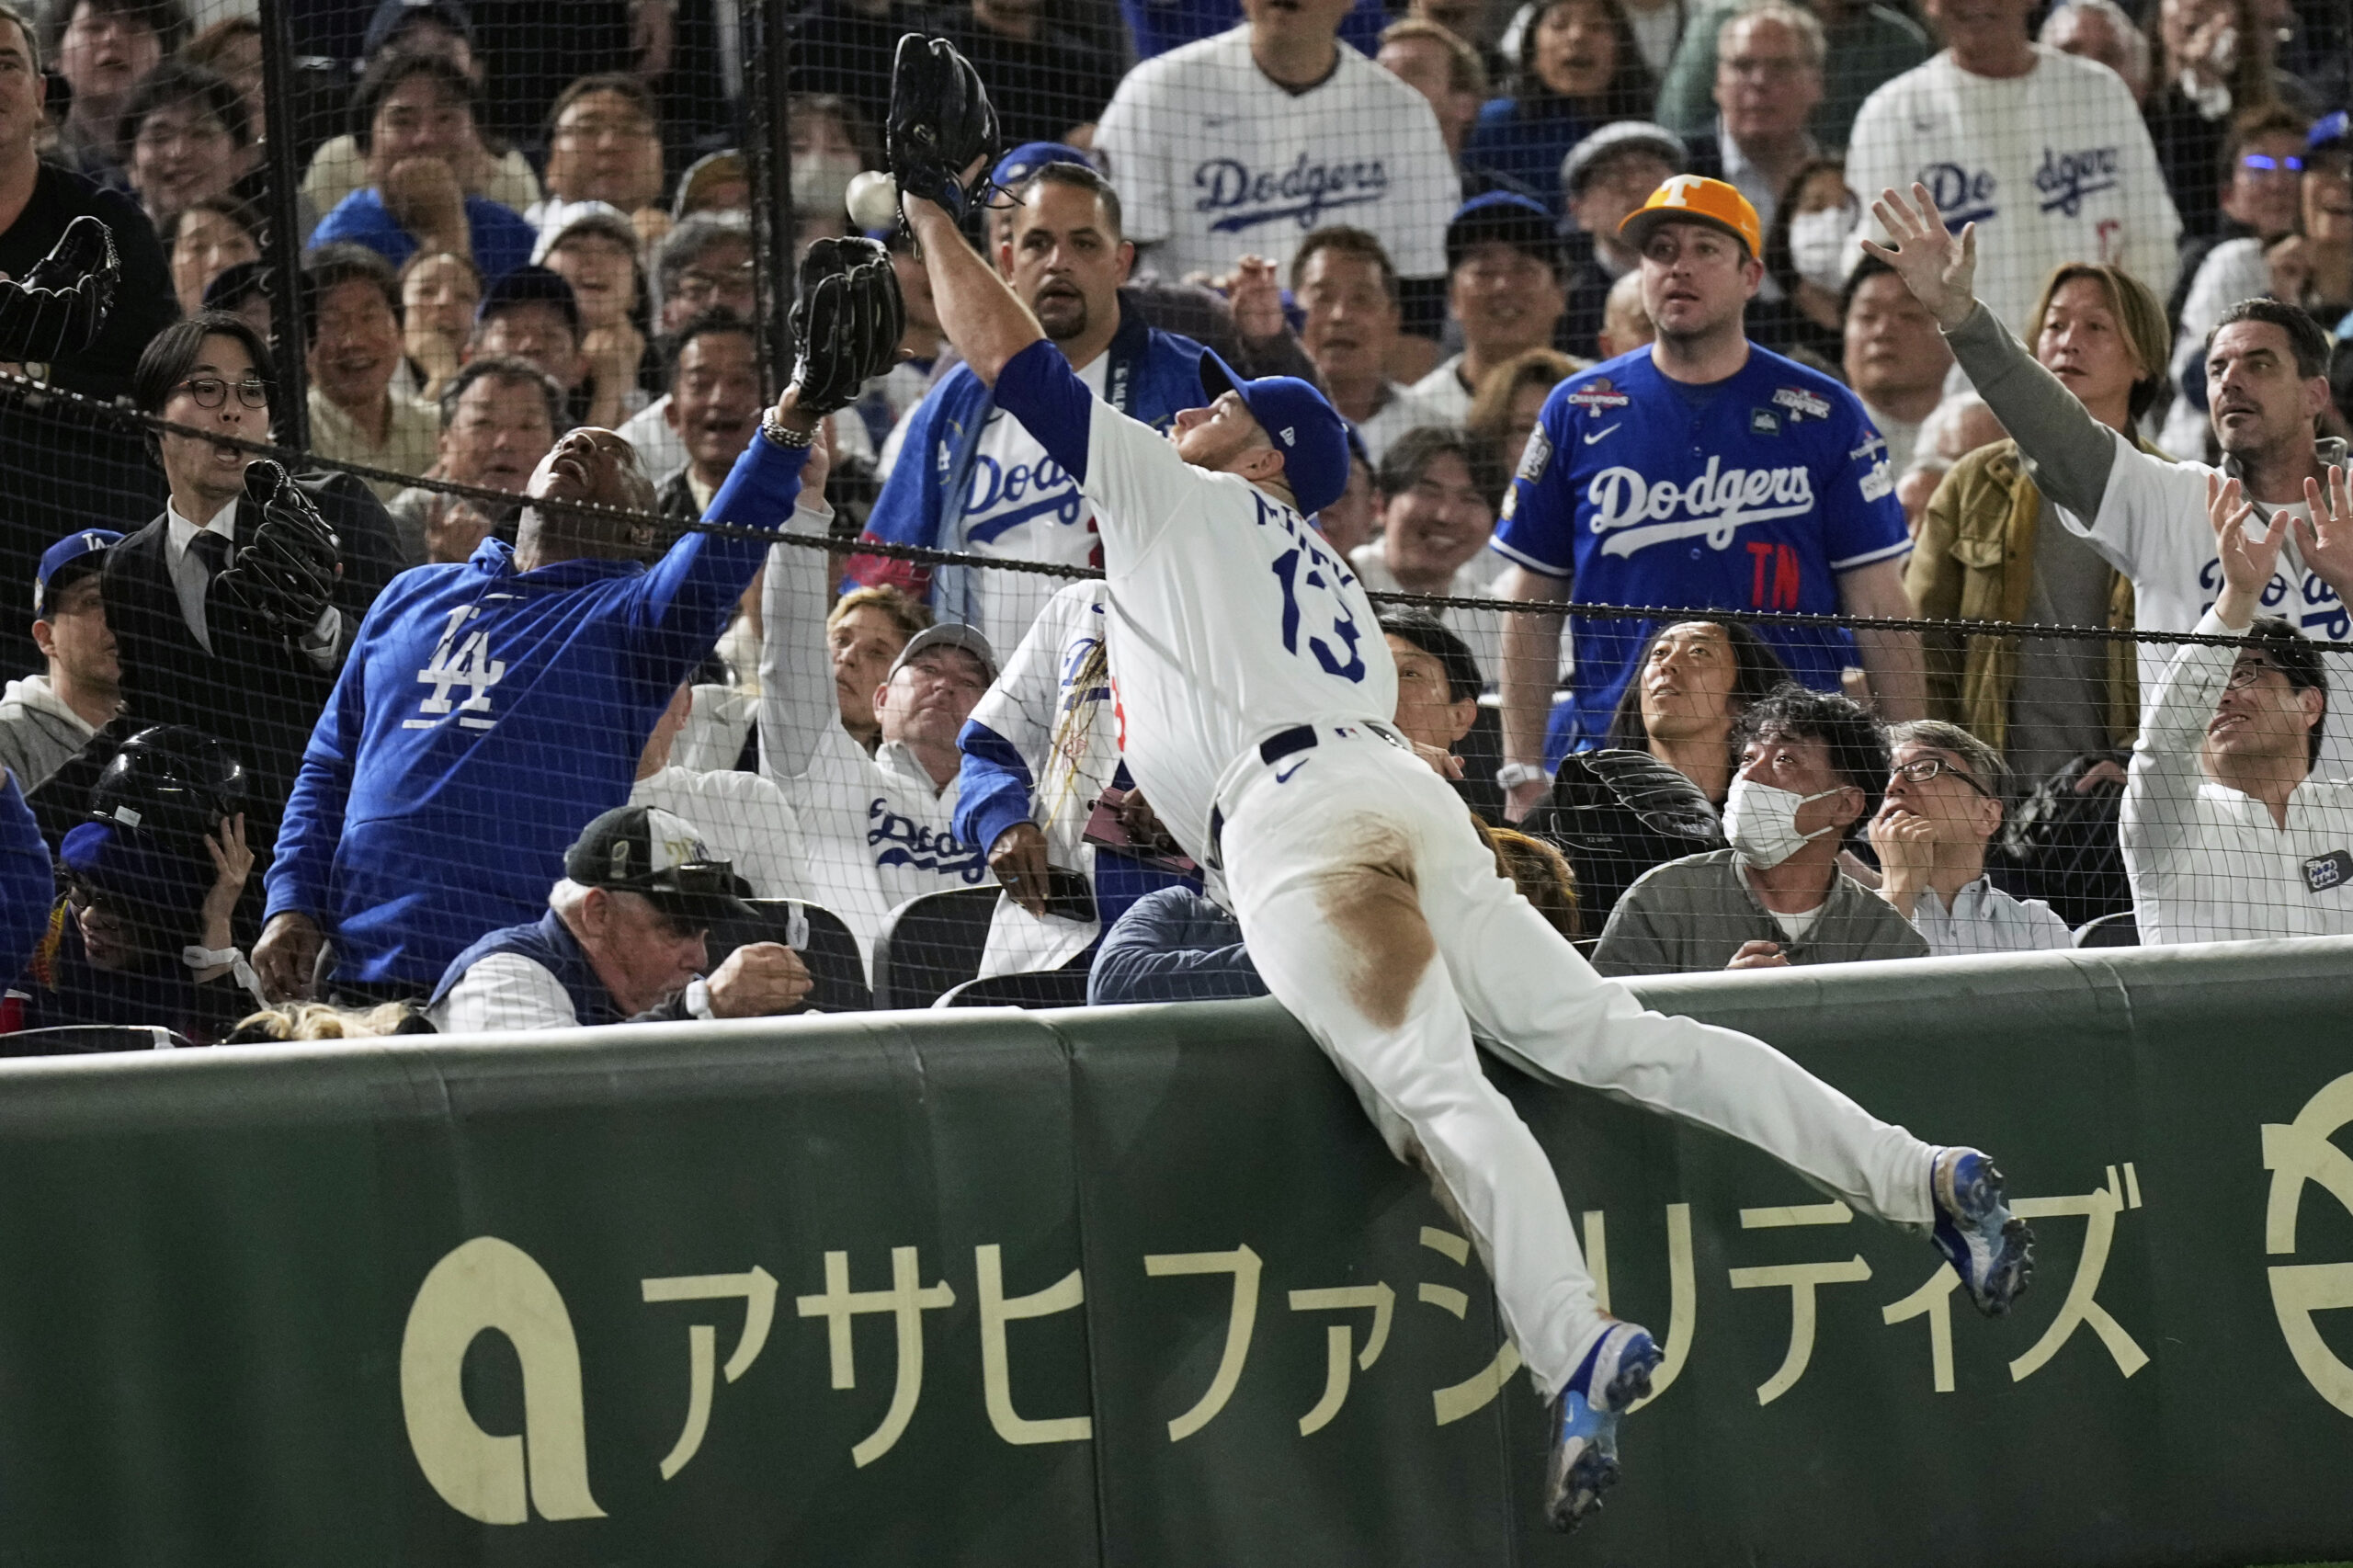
(1935, 264)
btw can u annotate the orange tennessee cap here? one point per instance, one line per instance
(1693, 198)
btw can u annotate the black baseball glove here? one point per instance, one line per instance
(284, 576)
(846, 322)
(1616, 814)
(941, 120)
(56, 309)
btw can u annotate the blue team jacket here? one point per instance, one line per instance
(484, 716)
(1154, 377)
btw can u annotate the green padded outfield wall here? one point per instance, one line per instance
(1141, 1288)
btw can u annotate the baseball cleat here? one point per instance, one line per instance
(1583, 1460)
(1990, 1249)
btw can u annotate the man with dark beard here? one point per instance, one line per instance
(968, 477)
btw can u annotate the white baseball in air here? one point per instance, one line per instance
(873, 199)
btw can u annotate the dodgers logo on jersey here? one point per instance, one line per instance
(2065, 178)
(1635, 513)
(999, 499)
(912, 844)
(1963, 196)
(1304, 192)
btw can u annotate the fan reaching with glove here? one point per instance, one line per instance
(58, 307)
(942, 128)
(284, 577)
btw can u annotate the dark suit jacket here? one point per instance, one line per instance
(252, 690)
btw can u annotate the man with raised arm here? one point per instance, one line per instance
(1253, 693)
(2266, 383)
(2227, 832)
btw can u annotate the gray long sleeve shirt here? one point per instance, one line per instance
(1696, 912)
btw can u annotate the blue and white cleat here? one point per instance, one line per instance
(1583, 1460)
(1990, 1249)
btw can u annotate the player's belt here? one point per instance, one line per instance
(1291, 743)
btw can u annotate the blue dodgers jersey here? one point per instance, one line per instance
(1753, 495)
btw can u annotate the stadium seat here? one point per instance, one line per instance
(931, 945)
(85, 1040)
(2117, 930)
(1031, 988)
(826, 948)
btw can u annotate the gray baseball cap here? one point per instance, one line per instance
(948, 635)
(1621, 136)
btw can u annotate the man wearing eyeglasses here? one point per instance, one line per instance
(1942, 806)
(194, 650)
(626, 940)
(2226, 832)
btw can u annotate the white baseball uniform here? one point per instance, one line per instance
(1215, 160)
(1252, 688)
(2051, 166)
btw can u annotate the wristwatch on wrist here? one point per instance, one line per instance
(784, 436)
(1512, 775)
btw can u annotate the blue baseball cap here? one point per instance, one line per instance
(530, 284)
(1300, 421)
(2330, 133)
(75, 555)
(1031, 157)
(1519, 222)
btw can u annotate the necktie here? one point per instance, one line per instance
(210, 551)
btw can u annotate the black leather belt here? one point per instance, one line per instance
(1286, 742)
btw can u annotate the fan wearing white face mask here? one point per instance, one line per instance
(1809, 250)
(1811, 765)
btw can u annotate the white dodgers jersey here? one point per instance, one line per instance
(1230, 619)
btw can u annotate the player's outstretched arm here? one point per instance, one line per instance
(984, 319)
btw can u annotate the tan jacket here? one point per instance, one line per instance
(1975, 561)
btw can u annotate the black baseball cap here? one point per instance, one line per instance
(392, 18)
(659, 855)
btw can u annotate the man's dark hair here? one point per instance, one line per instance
(704, 324)
(171, 353)
(11, 12)
(504, 367)
(1856, 741)
(2265, 119)
(1409, 456)
(1756, 673)
(629, 87)
(387, 72)
(331, 267)
(2290, 652)
(1432, 636)
(177, 81)
(1078, 176)
(2306, 341)
(1358, 242)
(164, 18)
(1870, 267)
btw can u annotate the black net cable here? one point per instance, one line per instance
(921, 555)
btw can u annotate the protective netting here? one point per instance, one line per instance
(487, 225)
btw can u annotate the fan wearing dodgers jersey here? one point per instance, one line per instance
(1252, 139)
(969, 478)
(1252, 689)
(1698, 473)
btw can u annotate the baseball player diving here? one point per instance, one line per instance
(1251, 686)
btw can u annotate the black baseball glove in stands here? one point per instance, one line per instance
(56, 310)
(284, 577)
(1616, 814)
(940, 121)
(846, 322)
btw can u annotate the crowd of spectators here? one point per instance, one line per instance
(522, 253)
